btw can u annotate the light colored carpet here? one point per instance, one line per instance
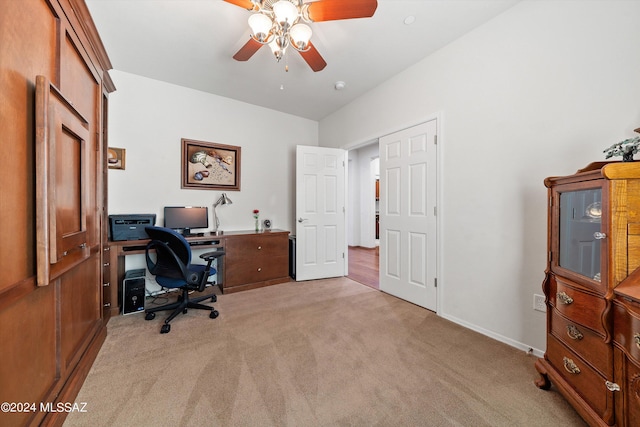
(319, 353)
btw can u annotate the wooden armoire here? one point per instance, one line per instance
(54, 89)
(592, 288)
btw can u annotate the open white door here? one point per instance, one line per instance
(320, 212)
(408, 227)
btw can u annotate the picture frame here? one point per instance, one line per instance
(211, 166)
(116, 157)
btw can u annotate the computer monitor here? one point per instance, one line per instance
(185, 218)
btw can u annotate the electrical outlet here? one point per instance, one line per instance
(538, 303)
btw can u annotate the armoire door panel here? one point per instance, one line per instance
(28, 336)
(80, 309)
(67, 197)
(25, 26)
(61, 182)
(81, 86)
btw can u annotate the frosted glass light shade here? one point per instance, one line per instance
(285, 12)
(301, 34)
(260, 26)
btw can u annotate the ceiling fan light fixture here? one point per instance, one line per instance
(285, 12)
(300, 35)
(277, 50)
(260, 26)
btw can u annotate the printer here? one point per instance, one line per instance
(130, 227)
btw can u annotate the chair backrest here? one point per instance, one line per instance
(173, 253)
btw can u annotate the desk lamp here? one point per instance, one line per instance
(223, 200)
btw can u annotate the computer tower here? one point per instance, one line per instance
(292, 257)
(133, 291)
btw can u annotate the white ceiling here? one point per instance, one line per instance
(191, 43)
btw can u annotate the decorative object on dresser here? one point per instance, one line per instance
(256, 217)
(266, 224)
(206, 165)
(626, 149)
(593, 246)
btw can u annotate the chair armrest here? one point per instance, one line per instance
(212, 255)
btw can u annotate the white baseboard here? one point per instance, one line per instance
(516, 344)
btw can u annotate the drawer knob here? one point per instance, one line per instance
(574, 333)
(107, 304)
(259, 268)
(636, 339)
(612, 386)
(569, 366)
(259, 248)
(106, 285)
(564, 298)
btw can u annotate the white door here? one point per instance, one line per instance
(320, 212)
(407, 214)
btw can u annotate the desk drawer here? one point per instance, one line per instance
(251, 270)
(584, 379)
(583, 341)
(258, 245)
(578, 306)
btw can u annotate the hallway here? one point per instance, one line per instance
(363, 266)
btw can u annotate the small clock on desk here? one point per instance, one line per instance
(266, 224)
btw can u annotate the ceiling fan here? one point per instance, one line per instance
(283, 23)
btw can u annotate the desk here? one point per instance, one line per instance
(252, 259)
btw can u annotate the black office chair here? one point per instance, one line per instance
(169, 259)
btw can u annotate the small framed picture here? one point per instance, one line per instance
(206, 165)
(115, 157)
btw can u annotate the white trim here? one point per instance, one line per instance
(516, 344)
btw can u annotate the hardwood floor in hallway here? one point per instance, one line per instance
(363, 266)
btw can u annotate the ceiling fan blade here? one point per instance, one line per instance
(247, 50)
(313, 58)
(331, 10)
(245, 4)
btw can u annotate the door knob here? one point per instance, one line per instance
(302, 219)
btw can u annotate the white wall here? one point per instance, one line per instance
(148, 118)
(540, 90)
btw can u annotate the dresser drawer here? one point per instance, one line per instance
(630, 384)
(578, 306)
(584, 342)
(584, 379)
(626, 329)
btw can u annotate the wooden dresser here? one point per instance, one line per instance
(255, 259)
(626, 352)
(593, 246)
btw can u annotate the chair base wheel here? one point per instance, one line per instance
(165, 328)
(214, 298)
(214, 314)
(149, 316)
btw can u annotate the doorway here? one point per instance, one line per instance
(362, 239)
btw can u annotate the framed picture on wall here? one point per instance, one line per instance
(206, 165)
(115, 157)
